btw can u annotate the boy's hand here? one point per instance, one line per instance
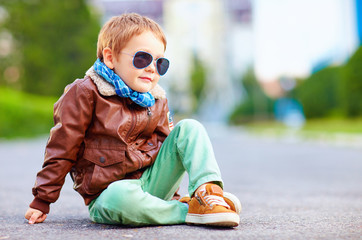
(35, 216)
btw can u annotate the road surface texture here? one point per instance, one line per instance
(289, 189)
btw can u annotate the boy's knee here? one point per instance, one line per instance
(190, 125)
(119, 203)
(124, 192)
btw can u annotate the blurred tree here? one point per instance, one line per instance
(351, 85)
(54, 43)
(319, 93)
(256, 106)
(335, 90)
(198, 81)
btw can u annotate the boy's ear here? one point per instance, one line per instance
(108, 57)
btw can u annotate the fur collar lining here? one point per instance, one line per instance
(107, 89)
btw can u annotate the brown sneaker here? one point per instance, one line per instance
(229, 198)
(185, 199)
(209, 207)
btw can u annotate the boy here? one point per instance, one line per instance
(113, 133)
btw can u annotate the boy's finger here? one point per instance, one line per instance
(34, 217)
(41, 218)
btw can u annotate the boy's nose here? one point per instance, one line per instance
(151, 67)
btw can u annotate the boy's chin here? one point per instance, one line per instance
(140, 91)
(143, 89)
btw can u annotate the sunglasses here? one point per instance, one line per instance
(143, 59)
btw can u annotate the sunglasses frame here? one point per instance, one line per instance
(161, 58)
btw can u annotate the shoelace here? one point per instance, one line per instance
(214, 200)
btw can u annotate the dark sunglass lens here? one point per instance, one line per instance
(142, 60)
(162, 65)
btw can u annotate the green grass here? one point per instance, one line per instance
(335, 125)
(24, 115)
(314, 126)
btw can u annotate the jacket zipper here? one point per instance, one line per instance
(133, 125)
(149, 114)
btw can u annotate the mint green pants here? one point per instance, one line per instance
(147, 201)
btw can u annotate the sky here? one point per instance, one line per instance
(293, 37)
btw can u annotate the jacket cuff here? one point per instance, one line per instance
(40, 205)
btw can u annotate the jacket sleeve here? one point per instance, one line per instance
(72, 116)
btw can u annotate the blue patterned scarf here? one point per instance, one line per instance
(122, 90)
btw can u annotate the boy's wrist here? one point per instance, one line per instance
(40, 205)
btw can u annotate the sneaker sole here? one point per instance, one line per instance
(215, 219)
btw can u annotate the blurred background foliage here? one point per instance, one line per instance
(49, 43)
(334, 92)
(256, 106)
(351, 86)
(319, 93)
(197, 83)
(24, 114)
(52, 43)
(55, 42)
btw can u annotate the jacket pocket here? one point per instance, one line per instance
(148, 146)
(151, 148)
(108, 167)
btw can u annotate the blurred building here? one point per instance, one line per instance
(211, 30)
(150, 8)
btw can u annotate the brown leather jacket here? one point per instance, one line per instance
(99, 138)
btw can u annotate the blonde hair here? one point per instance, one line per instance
(116, 33)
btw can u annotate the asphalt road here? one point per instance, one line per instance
(289, 189)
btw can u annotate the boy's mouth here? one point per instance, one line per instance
(146, 79)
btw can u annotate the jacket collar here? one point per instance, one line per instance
(107, 89)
